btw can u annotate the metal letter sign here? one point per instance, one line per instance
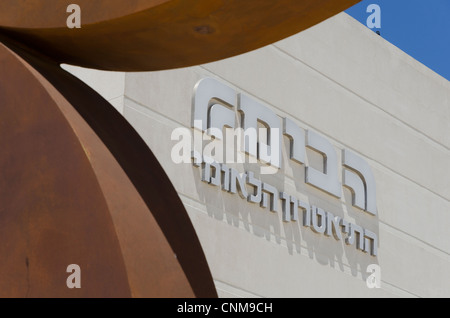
(214, 105)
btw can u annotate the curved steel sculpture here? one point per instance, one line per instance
(147, 35)
(78, 183)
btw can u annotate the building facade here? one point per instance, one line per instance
(358, 203)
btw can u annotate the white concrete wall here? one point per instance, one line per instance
(110, 85)
(348, 84)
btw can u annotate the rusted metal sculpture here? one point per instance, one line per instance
(78, 184)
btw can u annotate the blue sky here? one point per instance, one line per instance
(421, 28)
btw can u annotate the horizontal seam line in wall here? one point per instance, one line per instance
(418, 239)
(397, 287)
(411, 61)
(333, 138)
(121, 95)
(229, 292)
(437, 143)
(150, 110)
(304, 247)
(430, 247)
(236, 287)
(405, 177)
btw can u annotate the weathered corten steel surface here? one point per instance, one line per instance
(66, 199)
(147, 35)
(78, 185)
(53, 211)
